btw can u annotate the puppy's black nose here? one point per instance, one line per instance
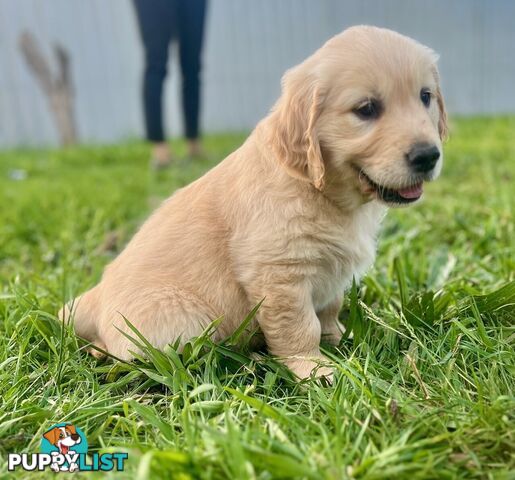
(75, 436)
(423, 157)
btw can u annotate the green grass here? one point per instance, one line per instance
(424, 389)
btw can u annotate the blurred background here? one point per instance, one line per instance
(248, 46)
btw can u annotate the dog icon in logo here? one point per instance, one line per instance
(64, 438)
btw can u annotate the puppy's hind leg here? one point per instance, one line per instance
(162, 316)
(83, 312)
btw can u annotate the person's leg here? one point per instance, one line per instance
(191, 22)
(155, 19)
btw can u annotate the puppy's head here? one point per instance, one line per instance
(66, 435)
(363, 117)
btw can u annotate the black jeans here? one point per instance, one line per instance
(160, 22)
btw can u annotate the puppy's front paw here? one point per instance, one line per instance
(98, 354)
(332, 338)
(332, 331)
(305, 367)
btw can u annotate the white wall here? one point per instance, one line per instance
(249, 44)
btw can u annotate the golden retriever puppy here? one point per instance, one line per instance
(291, 216)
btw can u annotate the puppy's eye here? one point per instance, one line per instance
(368, 110)
(425, 96)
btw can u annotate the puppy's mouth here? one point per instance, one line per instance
(399, 196)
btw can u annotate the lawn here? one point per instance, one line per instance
(423, 388)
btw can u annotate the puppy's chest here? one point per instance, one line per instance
(342, 252)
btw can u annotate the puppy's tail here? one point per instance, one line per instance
(82, 312)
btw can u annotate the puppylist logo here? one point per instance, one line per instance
(64, 448)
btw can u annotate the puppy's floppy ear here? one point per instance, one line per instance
(294, 133)
(443, 128)
(52, 435)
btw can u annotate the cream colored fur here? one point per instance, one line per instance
(286, 217)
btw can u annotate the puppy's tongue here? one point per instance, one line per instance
(411, 192)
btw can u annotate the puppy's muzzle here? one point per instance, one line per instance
(422, 157)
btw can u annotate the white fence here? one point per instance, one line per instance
(249, 44)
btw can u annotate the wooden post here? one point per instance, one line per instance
(57, 88)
